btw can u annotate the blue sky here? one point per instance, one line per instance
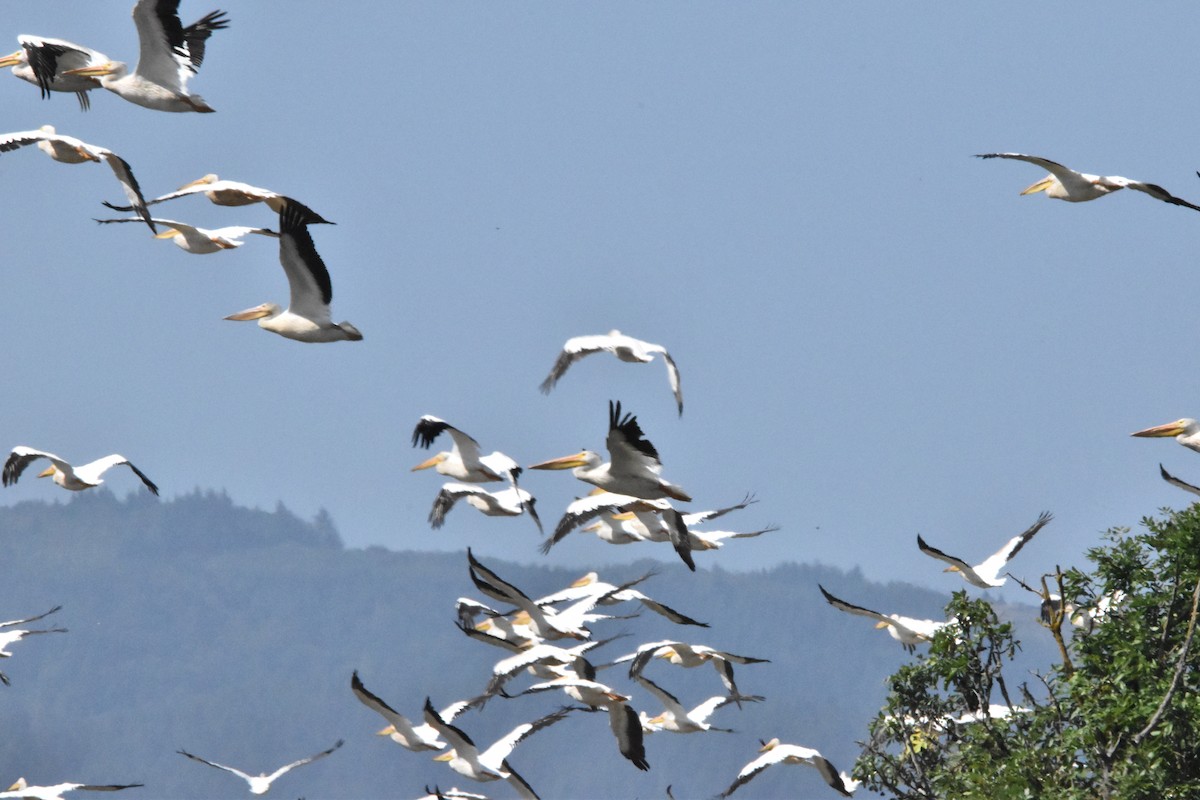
(876, 334)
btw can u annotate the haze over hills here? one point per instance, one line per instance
(232, 633)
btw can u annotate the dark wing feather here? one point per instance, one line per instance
(442, 504)
(679, 536)
(293, 222)
(43, 60)
(428, 429)
(628, 729)
(110, 787)
(133, 191)
(565, 359)
(149, 483)
(1042, 519)
(196, 34)
(15, 465)
(12, 142)
(1171, 479)
(629, 429)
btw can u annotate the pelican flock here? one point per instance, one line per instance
(169, 54)
(548, 639)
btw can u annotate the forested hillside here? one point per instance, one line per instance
(232, 633)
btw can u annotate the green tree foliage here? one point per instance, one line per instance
(1117, 717)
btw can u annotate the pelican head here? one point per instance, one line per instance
(207, 179)
(431, 462)
(952, 568)
(388, 731)
(586, 580)
(48, 472)
(266, 310)
(1179, 427)
(449, 755)
(583, 458)
(768, 746)
(1043, 185)
(170, 233)
(13, 59)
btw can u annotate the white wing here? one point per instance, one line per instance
(303, 761)
(308, 279)
(92, 471)
(990, 568)
(234, 770)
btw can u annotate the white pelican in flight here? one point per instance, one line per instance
(626, 348)
(691, 655)
(85, 476)
(42, 62)
(1077, 187)
(8, 637)
(199, 241)
(169, 54)
(908, 631)
(986, 575)
(547, 623)
(634, 468)
(307, 317)
(399, 729)
(463, 461)
(775, 753)
(677, 719)
(623, 720)
(543, 661)
(624, 519)
(259, 784)
(492, 764)
(21, 789)
(496, 628)
(70, 150)
(510, 502)
(1186, 431)
(228, 193)
(590, 586)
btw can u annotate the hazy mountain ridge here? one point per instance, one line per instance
(232, 633)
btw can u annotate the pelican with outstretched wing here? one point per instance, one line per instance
(634, 468)
(986, 574)
(626, 348)
(261, 783)
(76, 479)
(69, 150)
(307, 318)
(1078, 187)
